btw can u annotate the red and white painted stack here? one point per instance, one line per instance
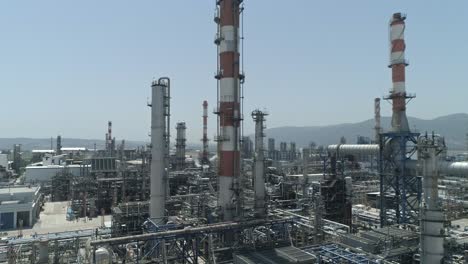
(377, 128)
(229, 105)
(398, 64)
(109, 134)
(204, 158)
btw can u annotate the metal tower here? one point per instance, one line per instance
(229, 108)
(399, 189)
(259, 162)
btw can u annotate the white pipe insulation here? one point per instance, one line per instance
(351, 149)
(457, 168)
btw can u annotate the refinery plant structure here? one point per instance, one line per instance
(396, 198)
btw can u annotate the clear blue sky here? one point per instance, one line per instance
(69, 66)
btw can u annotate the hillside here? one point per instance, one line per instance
(454, 127)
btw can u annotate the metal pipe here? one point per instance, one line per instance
(350, 149)
(456, 168)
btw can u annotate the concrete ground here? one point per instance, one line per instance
(53, 220)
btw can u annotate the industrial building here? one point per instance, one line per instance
(390, 199)
(19, 206)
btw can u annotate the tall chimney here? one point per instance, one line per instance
(159, 147)
(398, 64)
(259, 163)
(180, 145)
(109, 135)
(378, 127)
(229, 111)
(204, 159)
(59, 145)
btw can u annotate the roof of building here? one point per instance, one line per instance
(55, 166)
(73, 149)
(43, 151)
(18, 189)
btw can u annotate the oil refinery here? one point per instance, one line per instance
(396, 198)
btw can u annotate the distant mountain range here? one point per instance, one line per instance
(453, 127)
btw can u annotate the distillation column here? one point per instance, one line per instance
(259, 163)
(229, 110)
(180, 145)
(204, 159)
(398, 65)
(159, 147)
(432, 218)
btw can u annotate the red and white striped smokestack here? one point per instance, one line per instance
(109, 134)
(229, 105)
(378, 127)
(398, 64)
(205, 133)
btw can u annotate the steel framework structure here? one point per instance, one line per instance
(333, 253)
(202, 244)
(396, 148)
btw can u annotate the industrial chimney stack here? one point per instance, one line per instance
(58, 145)
(229, 111)
(204, 159)
(378, 127)
(397, 64)
(180, 145)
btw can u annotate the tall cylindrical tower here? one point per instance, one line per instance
(159, 148)
(180, 145)
(398, 64)
(204, 159)
(259, 163)
(229, 110)
(378, 127)
(109, 135)
(59, 145)
(432, 220)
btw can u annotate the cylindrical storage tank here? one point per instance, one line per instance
(43, 248)
(102, 256)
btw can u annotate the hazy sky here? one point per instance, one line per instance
(69, 66)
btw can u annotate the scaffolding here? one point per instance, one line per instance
(128, 218)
